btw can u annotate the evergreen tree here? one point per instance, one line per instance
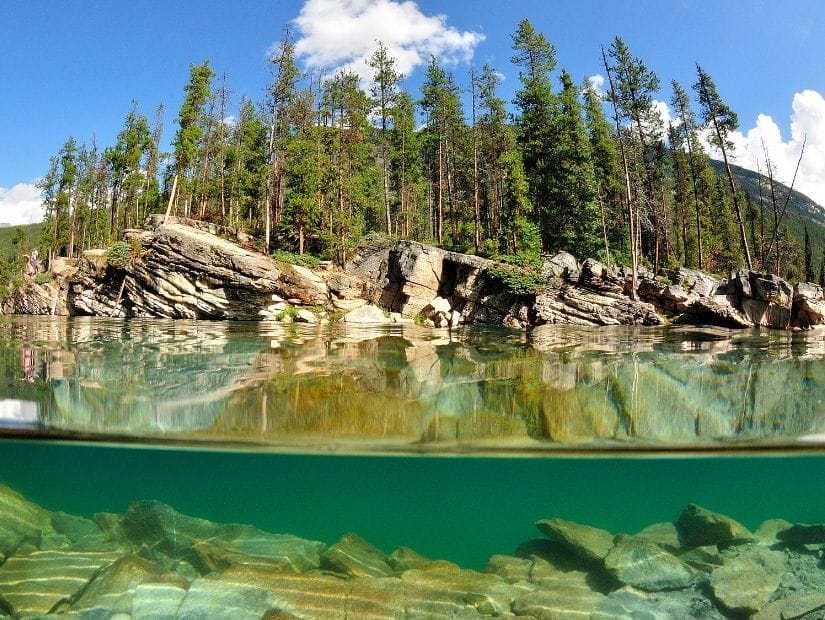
(354, 177)
(822, 271)
(572, 184)
(809, 259)
(384, 92)
(722, 121)
(443, 140)
(633, 86)
(607, 171)
(280, 100)
(686, 134)
(245, 165)
(536, 59)
(126, 161)
(188, 141)
(407, 170)
(59, 194)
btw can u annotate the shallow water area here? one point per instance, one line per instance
(192, 465)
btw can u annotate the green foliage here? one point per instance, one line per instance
(119, 255)
(290, 312)
(518, 274)
(304, 260)
(42, 278)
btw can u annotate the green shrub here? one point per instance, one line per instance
(119, 254)
(518, 279)
(304, 260)
(42, 278)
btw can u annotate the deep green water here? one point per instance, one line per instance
(461, 509)
(311, 415)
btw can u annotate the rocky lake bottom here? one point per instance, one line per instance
(106, 532)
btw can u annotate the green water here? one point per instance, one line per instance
(461, 509)
(293, 426)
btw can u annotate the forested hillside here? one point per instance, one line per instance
(324, 160)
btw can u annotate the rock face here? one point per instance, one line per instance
(154, 562)
(181, 269)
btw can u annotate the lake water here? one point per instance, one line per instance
(451, 443)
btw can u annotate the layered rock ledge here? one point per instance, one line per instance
(152, 561)
(182, 269)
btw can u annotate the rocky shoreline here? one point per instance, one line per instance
(152, 561)
(183, 269)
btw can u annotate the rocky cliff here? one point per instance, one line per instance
(181, 269)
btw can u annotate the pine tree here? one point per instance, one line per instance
(188, 141)
(809, 258)
(686, 134)
(354, 177)
(127, 165)
(384, 92)
(280, 99)
(632, 87)
(406, 166)
(572, 188)
(722, 120)
(607, 171)
(444, 125)
(536, 59)
(822, 271)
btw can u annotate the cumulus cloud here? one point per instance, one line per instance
(21, 204)
(596, 82)
(337, 34)
(808, 126)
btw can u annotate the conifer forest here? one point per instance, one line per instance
(323, 160)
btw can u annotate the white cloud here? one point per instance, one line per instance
(21, 204)
(596, 82)
(808, 125)
(343, 33)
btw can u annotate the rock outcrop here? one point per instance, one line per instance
(155, 562)
(181, 269)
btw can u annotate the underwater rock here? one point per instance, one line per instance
(699, 527)
(663, 534)
(157, 600)
(746, 582)
(767, 532)
(483, 591)
(21, 521)
(798, 606)
(404, 558)
(588, 543)
(161, 530)
(253, 547)
(355, 557)
(561, 602)
(82, 534)
(34, 583)
(644, 565)
(113, 589)
(509, 568)
(803, 534)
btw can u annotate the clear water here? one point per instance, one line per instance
(452, 444)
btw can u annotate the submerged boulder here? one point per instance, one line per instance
(699, 527)
(643, 564)
(589, 543)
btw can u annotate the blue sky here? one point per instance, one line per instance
(72, 67)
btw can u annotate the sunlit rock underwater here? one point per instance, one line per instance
(153, 561)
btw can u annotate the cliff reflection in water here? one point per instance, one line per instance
(404, 387)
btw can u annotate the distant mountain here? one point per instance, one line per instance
(799, 204)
